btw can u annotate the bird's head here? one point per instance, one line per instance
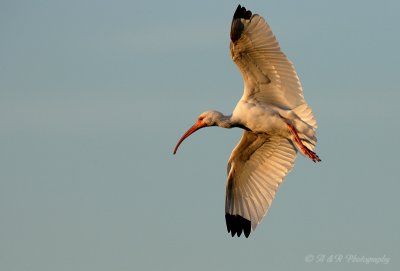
(206, 119)
(211, 118)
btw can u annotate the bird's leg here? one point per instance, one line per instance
(313, 156)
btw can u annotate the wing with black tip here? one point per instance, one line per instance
(269, 76)
(256, 167)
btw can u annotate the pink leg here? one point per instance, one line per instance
(313, 156)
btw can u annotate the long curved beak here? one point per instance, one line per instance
(198, 125)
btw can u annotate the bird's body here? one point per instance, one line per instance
(276, 120)
(253, 115)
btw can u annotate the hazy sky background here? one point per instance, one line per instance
(95, 94)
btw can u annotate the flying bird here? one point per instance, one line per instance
(276, 121)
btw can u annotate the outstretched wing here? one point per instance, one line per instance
(268, 74)
(256, 167)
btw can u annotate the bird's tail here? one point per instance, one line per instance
(305, 125)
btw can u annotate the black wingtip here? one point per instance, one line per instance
(241, 12)
(236, 224)
(237, 26)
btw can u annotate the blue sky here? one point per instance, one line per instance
(95, 94)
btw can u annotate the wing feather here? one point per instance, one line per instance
(269, 76)
(257, 166)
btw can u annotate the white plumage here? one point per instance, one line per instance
(277, 122)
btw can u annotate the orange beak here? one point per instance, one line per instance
(198, 125)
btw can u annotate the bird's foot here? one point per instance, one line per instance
(306, 151)
(313, 156)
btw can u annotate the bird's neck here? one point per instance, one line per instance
(227, 122)
(224, 121)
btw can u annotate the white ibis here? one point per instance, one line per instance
(276, 120)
